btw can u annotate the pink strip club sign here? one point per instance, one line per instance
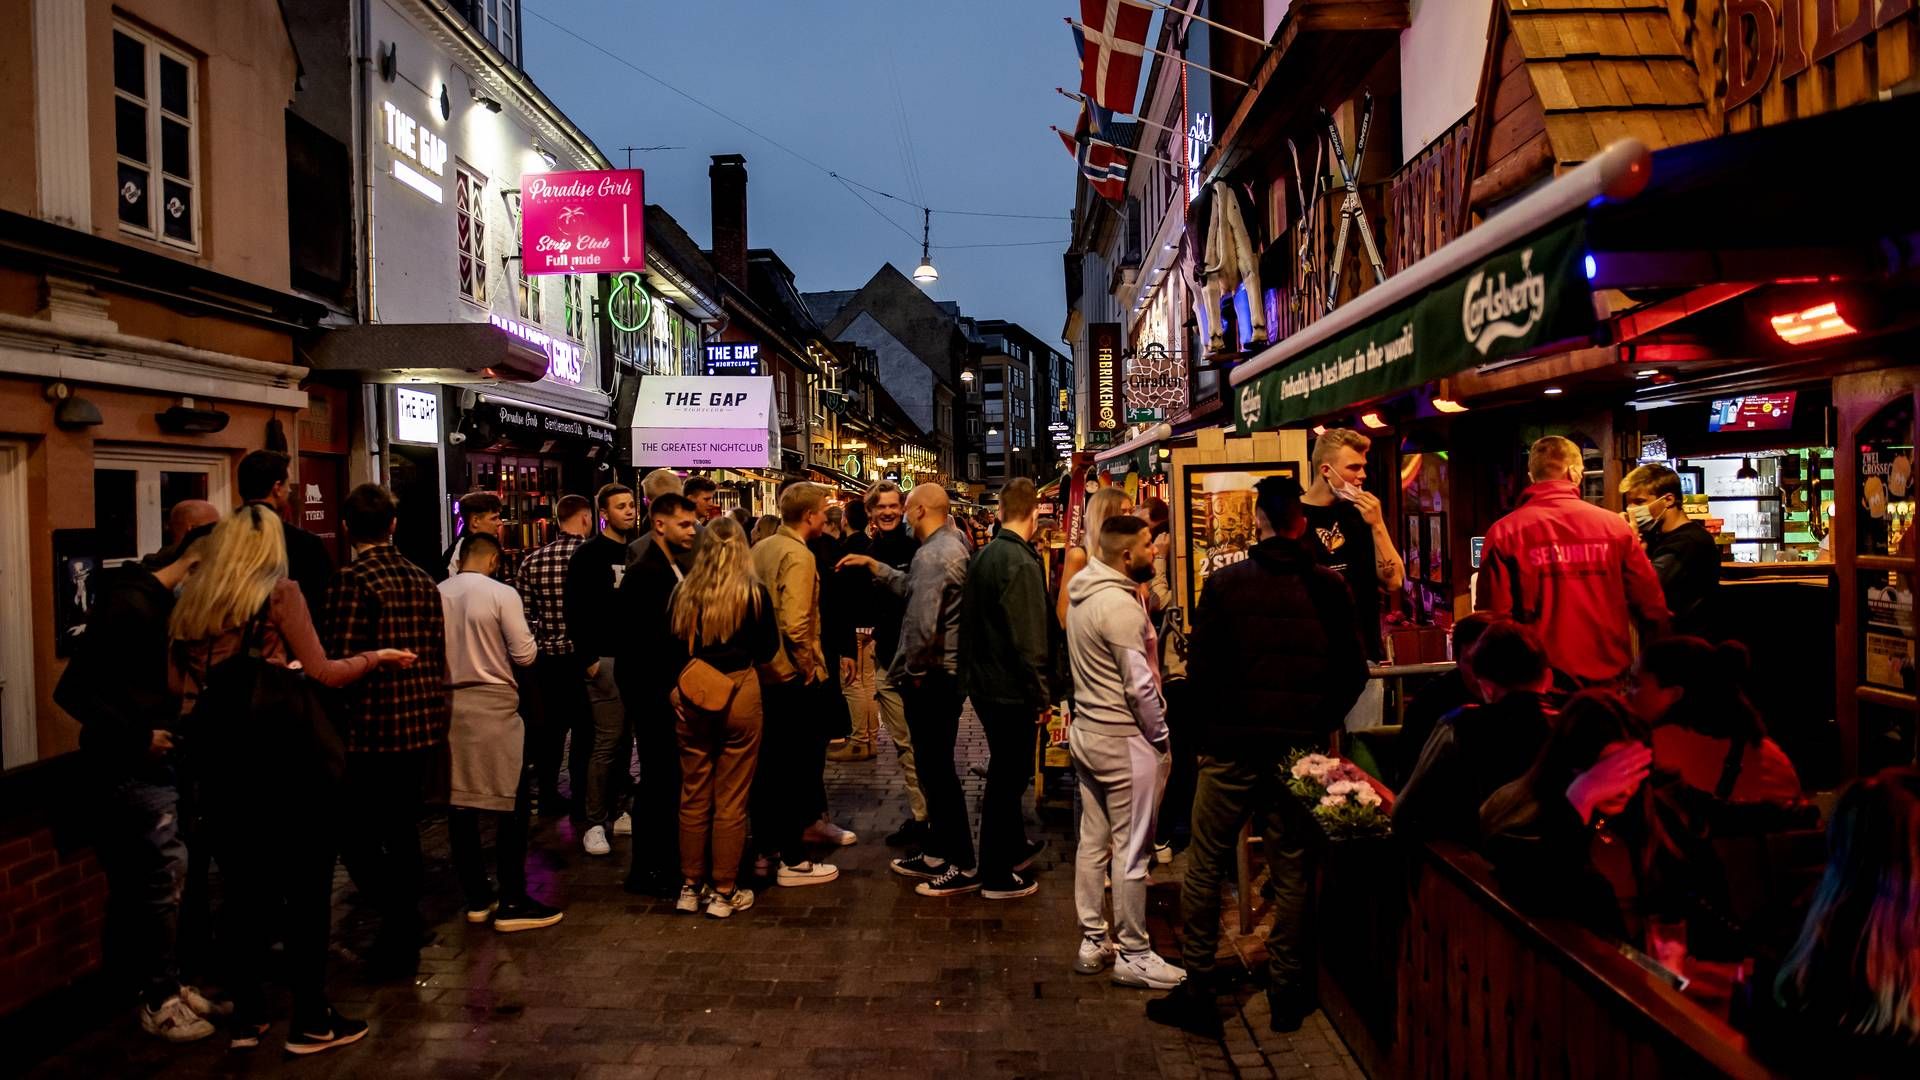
(585, 222)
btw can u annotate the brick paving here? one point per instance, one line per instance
(853, 979)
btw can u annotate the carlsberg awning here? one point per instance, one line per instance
(1514, 286)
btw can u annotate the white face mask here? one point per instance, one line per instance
(1342, 489)
(1643, 516)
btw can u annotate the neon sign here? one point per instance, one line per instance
(1199, 142)
(733, 358)
(563, 356)
(413, 141)
(628, 306)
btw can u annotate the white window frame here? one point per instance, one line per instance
(476, 212)
(152, 50)
(148, 462)
(20, 739)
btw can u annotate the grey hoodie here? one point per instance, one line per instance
(1115, 691)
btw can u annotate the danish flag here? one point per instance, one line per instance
(1101, 162)
(1112, 46)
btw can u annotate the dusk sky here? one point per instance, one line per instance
(974, 93)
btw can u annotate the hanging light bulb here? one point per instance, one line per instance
(925, 274)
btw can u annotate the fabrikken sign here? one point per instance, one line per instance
(1531, 295)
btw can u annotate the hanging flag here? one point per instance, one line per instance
(1101, 162)
(1111, 45)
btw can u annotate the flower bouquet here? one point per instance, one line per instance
(1343, 798)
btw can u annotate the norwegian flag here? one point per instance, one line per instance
(1101, 162)
(1111, 49)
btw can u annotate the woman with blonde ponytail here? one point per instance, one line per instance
(723, 617)
(239, 603)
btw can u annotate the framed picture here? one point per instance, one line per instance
(1437, 548)
(1411, 545)
(76, 566)
(1219, 517)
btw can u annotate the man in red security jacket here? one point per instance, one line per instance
(1572, 570)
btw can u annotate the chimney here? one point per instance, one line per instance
(728, 179)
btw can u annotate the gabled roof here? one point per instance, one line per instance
(826, 305)
(910, 315)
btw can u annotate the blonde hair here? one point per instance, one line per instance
(720, 590)
(1104, 504)
(243, 558)
(799, 500)
(1553, 457)
(659, 482)
(1334, 440)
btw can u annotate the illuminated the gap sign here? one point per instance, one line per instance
(413, 144)
(733, 358)
(563, 356)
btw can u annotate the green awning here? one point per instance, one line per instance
(1528, 295)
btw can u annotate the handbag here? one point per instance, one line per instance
(259, 728)
(704, 690)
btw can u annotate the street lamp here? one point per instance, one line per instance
(925, 274)
(993, 431)
(966, 376)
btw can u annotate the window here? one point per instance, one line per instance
(154, 141)
(529, 294)
(135, 488)
(498, 21)
(469, 188)
(576, 308)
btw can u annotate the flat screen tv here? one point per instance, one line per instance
(1753, 412)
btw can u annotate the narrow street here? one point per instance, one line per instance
(853, 979)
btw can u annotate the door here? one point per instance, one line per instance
(19, 739)
(136, 487)
(1877, 557)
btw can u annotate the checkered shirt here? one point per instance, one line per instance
(381, 600)
(542, 583)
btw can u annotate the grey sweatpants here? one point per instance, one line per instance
(1120, 777)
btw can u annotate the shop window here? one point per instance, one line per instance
(134, 489)
(155, 141)
(469, 188)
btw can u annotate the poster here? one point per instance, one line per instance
(1221, 529)
(76, 569)
(1887, 652)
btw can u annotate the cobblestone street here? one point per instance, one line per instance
(857, 978)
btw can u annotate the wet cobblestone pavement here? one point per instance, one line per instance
(857, 978)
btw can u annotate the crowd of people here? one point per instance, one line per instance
(731, 658)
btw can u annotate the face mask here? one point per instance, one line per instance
(1643, 517)
(1342, 489)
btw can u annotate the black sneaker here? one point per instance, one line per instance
(952, 882)
(1013, 887)
(245, 1036)
(1286, 1012)
(910, 834)
(1188, 1008)
(525, 913)
(1028, 854)
(919, 866)
(337, 1031)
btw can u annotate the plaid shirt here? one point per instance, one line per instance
(542, 583)
(381, 600)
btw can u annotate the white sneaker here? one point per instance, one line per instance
(807, 873)
(174, 1021)
(623, 825)
(689, 901)
(723, 907)
(826, 832)
(1146, 970)
(595, 842)
(1095, 956)
(205, 1006)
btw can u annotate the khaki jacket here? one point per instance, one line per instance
(789, 572)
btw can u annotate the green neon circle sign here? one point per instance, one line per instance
(628, 306)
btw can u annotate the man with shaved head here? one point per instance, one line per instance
(926, 670)
(188, 515)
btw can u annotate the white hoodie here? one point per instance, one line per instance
(1115, 691)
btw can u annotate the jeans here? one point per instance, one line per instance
(933, 719)
(785, 786)
(561, 689)
(656, 800)
(510, 847)
(276, 867)
(717, 763)
(1003, 828)
(893, 715)
(608, 777)
(381, 841)
(1227, 794)
(1119, 780)
(145, 860)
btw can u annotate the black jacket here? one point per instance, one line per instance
(648, 657)
(1688, 564)
(116, 683)
(309, 563)
(875, 605)
(588, 595)
(1473, 752)
(1275, 660)
(1003, 625)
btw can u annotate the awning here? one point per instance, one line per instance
(1514, 286)
(460, 352)
(1139, 442)
(704, 422)
(539, 426)
(844, 480)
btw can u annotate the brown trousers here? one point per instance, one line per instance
(717, 762)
